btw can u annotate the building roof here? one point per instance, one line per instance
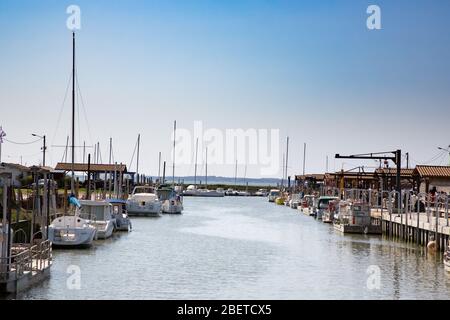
(15, 166)
(310, 176)
(393, 172)
(432, 171)
(83, 167)
(351, 175)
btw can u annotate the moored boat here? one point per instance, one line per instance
(99, 215)
(144, 202)
(120, 213)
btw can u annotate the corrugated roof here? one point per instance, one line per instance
(83, 167)
(433, 171)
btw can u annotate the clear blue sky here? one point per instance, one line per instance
(310, 68)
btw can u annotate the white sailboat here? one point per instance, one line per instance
(72, 230)
(171, 201)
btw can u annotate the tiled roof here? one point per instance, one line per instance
(433, 171)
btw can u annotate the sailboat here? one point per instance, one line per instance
(72, 230)
(171, 201)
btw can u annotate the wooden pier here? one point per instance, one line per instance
(419, 228)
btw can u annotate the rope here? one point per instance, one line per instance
(62, 107)
(22, 143)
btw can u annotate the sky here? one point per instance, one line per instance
(310, 69)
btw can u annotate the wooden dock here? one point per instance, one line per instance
(419, 228)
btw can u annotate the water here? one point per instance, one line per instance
(243, 248)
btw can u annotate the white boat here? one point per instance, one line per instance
(322, 205)
(120, 213)
(71, 231)
(261, 193)
(273, 194)
(171, 201)
(308, 205)
(209, 193)
(99, 215)
(144, 202)
(295, 200)
(243, 193)
(354, 217)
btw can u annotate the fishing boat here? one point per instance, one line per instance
(172, 202)
(120, 213)
(99, 214)
(331, 212)
(144, 202)
(354, 217)
(273, 195)
(295, 201)
(72, 230)
(308, 205)
(322, 205)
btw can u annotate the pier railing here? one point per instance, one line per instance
(25, 259)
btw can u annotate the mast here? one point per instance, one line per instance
(137, 158)
(287, 157)
(235, 174)
(173, 161)
(206, 170)
(304, 157)
(72, 182)
(159, 168)
(195, 170)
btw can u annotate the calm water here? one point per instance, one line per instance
(243, 248)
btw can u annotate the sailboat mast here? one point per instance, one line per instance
(235, 175)
(195, 170)
(206, 170)
(72, 182)
(137, 158)
(287, 158)
(173, 161)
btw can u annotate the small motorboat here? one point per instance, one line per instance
(144, 202)
(99, 215)
(171, 201)
(120, 213)
(273, 195)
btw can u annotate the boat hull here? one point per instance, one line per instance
(149, 210)
(71, 237)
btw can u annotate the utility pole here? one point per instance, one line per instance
(327, 165)
(407, 160)
(206, 169)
